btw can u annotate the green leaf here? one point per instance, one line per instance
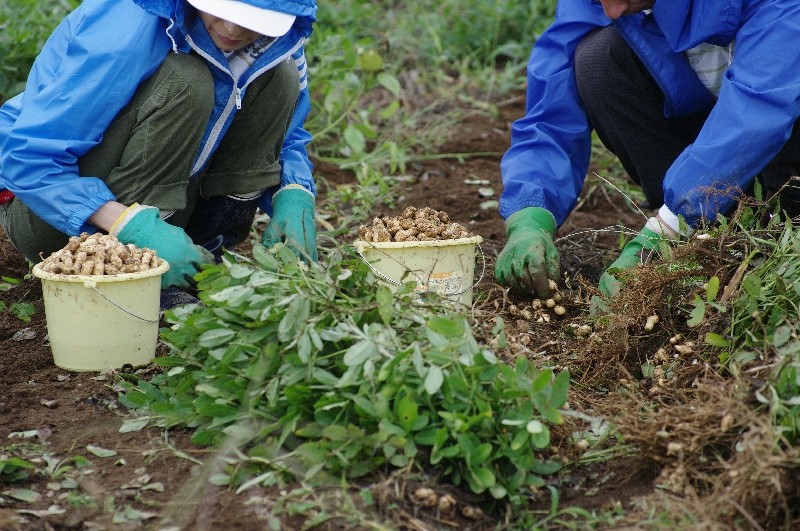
(336, 433)
(752, 285)
(541, 439)
(26, 495)
(390, 83)
(134, 425)
(535, 427)
(716, 340)
(480, 454)
(23, 311)
(215, 337)
(519, 440)
(233, 296)
(407, 411)
(360, 352)
(134, 399)
(385, 300)
(354, 139)
(483, 477)
(781, 336)
(100, 452)
(498, 491)
(434, 379)
(295, 319)
(712, 288)
(560, 392)
(697, 313)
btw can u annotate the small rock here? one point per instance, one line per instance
(24, 334)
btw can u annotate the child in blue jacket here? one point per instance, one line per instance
(165, 123)
(696, 97)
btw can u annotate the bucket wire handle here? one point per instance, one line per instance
(381, 275)
(384, 277)
(92, 285)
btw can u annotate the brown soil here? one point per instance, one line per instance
(157, 473)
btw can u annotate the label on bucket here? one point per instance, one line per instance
(445, 283)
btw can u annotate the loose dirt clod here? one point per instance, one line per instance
(414, 224)
(99, 254)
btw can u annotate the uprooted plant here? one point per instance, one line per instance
(306, 369)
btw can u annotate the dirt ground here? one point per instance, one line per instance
(151, 481)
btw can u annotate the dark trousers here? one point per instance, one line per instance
(147, 153)
(626, 109)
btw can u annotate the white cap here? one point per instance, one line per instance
(264, 21)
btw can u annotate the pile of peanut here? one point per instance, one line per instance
(99, 254)
(423, 224)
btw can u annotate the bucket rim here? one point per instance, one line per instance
(471, 240)
(162, 268)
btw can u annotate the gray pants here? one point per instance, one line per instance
(147, 154)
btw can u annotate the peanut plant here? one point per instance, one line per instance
(319, 371)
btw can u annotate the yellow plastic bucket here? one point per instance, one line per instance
(96, 322)
(446, 267)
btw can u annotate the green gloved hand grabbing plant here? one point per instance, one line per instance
(292, 221)
(656, 232)
(529, 260)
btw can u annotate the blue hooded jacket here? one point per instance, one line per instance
(90, 68)
(750, 121)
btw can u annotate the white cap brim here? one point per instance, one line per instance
(263, 21)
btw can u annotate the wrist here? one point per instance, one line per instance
(667, 224)
(532, 218)
(660, 229)
(104, 217)
(288, 187)
(125, 217)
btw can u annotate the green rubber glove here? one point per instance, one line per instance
(529, 258)
(141, 226)
(292, 222)
(631, 255)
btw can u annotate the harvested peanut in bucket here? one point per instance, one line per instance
(99, 254)
(413, 225)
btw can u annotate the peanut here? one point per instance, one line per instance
(99, 254)
(423, 224)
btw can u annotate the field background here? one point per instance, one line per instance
(688, 424)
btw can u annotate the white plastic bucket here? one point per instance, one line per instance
(446, 267)
(96, 322)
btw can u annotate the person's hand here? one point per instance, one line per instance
(638, 250)
(530, 259)
(141, 226)
(292, 222)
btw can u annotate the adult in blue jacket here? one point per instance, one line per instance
(165, 123)
(697, 98)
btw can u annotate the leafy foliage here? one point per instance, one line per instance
(319, 368)
(24, 26)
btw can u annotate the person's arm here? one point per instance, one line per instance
(87, 71)
(296, 168)
(548, 159)
(291, 206)
(758, 105)
(105, 216)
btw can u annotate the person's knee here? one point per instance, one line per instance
(191, 83)
(595, 69)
